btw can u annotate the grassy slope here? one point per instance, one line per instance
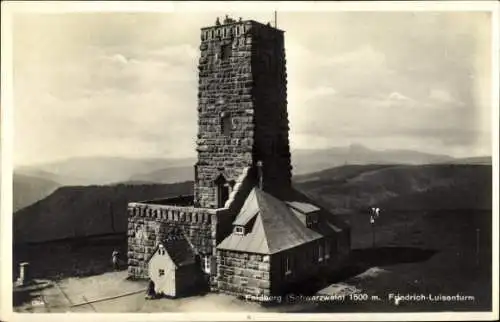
(29, 189)
(83, 211)
(401, 187)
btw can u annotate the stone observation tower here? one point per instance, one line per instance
(245, 230)
(242, 109)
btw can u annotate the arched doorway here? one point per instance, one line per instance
(222, 190)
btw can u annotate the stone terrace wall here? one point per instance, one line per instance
(148, 224)
(243, 274)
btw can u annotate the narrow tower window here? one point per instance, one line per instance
(225, 51)
(223, 195)
(222, 191)
(225, 124)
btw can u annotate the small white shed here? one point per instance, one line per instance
(172, 267)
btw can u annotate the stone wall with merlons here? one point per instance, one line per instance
(148, 224)
(243, 274)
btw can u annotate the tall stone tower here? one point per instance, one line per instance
(242, 106)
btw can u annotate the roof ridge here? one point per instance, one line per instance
(264, 230)
(260, 194)
(292, 221)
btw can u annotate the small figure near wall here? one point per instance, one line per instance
(150, 291)
(115, 259)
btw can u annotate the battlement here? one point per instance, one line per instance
(231, 28)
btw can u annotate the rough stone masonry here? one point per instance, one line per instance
(243, 119)
(242, 107)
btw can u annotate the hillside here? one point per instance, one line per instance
(106, 170)
(83, 211)
(355, 188)
(99, 170)
(168, 175)
(307, 161)
(78, 211)
(29, 189)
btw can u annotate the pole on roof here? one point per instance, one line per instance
(259, 173)
(275, 19)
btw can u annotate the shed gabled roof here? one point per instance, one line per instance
(179, 249)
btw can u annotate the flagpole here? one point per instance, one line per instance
(275, 19)
(373, 235)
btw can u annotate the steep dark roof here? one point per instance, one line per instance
(278, 224)
(179, 249)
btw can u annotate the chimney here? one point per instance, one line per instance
(260, 173)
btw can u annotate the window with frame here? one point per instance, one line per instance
(327, 249)
(240, 230)
(161, 272)
(287, 265)
(320, 253)
(206, 264)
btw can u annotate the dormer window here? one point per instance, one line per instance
(239, 230)
(312, 220)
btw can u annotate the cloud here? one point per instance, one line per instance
(395, 96)
(118, 59)
(444, 96)
(127, 83)
(319, 92)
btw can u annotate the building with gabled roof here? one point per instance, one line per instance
(249, 231)
(173, 267)
(275, 242)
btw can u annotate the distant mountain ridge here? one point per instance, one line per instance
(352, 188)
(28, 189)
(82, 171)
(79, 211)
(99, 170)
(307, 161)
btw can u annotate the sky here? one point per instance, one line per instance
(125, 84)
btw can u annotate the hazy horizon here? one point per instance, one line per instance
(193, 156)
(125, 85)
